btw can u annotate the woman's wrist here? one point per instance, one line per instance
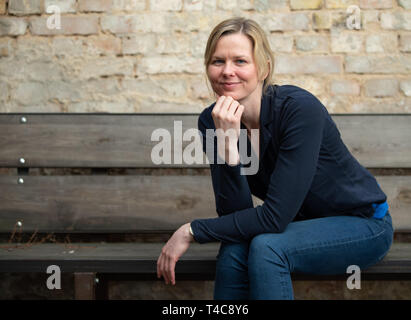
(189, 232)
(227, 147)
(232, 157)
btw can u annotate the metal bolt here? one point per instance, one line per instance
(21, 160)
(20, 181)
(23, 119)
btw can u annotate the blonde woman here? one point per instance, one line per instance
(322, 210)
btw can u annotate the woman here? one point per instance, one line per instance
(322, 210)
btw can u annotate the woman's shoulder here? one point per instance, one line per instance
(295, 96)
(292, 100)
(289, 91)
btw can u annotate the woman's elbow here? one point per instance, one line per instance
(275, 221)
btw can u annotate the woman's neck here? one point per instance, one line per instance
(252, 104)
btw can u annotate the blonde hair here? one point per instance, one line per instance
(261, 47)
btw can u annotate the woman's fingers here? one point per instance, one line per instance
(171, 253)
(217, 106)
(225, 108)
(162, 266)
(239, 111)
(166, 271)
(165, 268)
(232, 109)
(170, 269)
(222, 106)
(225, 105)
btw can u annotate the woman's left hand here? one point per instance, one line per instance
(175, 247)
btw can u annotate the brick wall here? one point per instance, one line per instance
(146, 55)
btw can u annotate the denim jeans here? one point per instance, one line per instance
(261, 268)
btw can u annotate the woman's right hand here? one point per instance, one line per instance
(227, 114)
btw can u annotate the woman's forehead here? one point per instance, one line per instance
(234, 44)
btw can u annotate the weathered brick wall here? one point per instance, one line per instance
(146, 55)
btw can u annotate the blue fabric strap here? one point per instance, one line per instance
(380, 210)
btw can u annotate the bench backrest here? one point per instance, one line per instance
(95, 172)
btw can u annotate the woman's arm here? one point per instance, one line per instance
(231, 189)
(175, 247)
(227, 115)
(302, 126)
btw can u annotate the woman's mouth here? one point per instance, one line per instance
(229, 85)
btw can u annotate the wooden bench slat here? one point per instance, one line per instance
(103, 258)
(142, 257)
(133, 203)
(377, 140)
(104, 203)
(122, 140)
(398, 191)
(84, 140)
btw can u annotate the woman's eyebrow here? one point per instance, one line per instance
(235, 57)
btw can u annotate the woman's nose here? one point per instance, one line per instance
(228, 69)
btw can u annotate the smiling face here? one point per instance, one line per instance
(232, 70)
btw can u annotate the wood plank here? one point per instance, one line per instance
(142, 258)
(85, 140)
(84, 285)
(96, 257)
(377, 140)
(134, 203)
(104, 203)
(398, 191)
(124, 140)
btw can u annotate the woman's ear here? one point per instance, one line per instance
(268, 69)
(267, 72)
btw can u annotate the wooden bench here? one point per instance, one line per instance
(80, 191)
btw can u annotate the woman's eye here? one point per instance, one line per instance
(218, 61)
(241, 61)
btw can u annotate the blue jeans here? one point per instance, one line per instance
(261, 268)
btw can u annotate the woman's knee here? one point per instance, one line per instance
(267, 249)
(232, 255)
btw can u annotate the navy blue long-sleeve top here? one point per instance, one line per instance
(305, 172)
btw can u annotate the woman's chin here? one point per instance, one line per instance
(231, 94)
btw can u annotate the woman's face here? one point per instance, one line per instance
(232, 71)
